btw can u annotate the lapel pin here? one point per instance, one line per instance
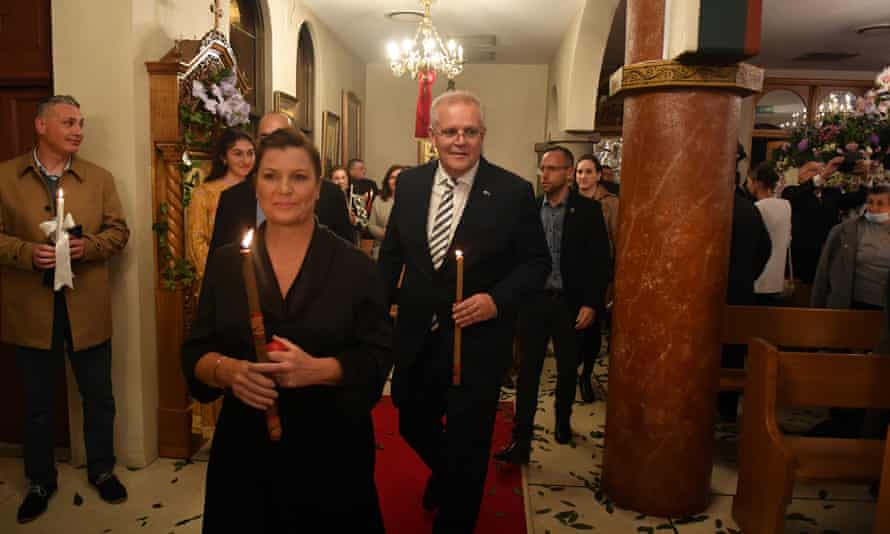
(571, 210)
(486, 192)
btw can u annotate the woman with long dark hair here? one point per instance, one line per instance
(231, 163)
(382, 207)
(588, 179)
(322, 301)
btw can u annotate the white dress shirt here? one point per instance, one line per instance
(776, 214)
(461, 193)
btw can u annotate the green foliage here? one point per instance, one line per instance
(176, 273)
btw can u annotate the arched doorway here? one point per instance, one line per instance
(306, 82)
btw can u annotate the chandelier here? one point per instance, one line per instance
(426, 52)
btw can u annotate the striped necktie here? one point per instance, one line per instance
(439, 240)
(441, 234)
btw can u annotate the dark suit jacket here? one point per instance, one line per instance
(812, 218)
(585, 258)
(505, 255)
(749, 250)
(611, 187)
(236, 213)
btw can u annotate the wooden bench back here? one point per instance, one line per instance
(828, 379)
(803, 327)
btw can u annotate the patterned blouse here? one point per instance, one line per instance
(199, 224)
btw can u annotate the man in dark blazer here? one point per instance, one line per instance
(462, 202)
(238, 210)
(569, 302)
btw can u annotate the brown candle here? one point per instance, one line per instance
(455, 369)
(273, 422)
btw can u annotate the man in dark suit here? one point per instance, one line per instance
(462, 202)
(238, 209)
(573, 295)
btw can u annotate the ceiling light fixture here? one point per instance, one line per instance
(426, 52)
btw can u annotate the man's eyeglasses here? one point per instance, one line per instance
(470, 134)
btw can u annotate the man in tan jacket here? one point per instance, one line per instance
(45, 325)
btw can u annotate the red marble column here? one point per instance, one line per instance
(672, 260)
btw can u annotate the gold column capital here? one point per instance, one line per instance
(741, 78)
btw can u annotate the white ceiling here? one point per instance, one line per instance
(527, 31)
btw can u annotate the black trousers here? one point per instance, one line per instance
(456, 453)
(591, 345)
(546, 316)
(41, 371)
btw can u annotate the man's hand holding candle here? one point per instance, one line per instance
(476, 309)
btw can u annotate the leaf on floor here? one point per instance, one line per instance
(581, 526)
(690, 519)
(182, 463)
(646, 530)
(78, 500)
(186, 521)
(157, 505)
(569, 503)
(796, 516)
(543, 511)
(175, 480)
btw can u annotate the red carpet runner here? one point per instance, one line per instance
(401, 478)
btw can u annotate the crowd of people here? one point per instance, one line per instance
(533, 269)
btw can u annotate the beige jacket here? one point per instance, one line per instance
(27, 305)
(609, 203)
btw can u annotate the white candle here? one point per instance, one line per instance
(60, 214)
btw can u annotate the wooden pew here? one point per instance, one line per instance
(797, 327)
(770, 462)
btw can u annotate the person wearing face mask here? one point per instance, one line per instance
(776, 214)
(855, 261)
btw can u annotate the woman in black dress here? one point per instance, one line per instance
(323, 300)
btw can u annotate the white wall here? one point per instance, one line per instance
(337, 67)
(105, 69)
(514, 99)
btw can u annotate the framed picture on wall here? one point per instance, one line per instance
(289, 105)
(330, 141)
(352, 126)
(426, 151)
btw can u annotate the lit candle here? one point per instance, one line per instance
(60, 214)
(459, 297)
(273, 422)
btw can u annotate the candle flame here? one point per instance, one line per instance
(61, 194)
(458, 254)
(248, 238)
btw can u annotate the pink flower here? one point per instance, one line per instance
(852, 147)
(786, 146)
(883, 78)
(803, 145)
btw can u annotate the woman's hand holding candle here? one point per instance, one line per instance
(292, 367)
(248, 384)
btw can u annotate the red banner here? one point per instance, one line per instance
(425, 81)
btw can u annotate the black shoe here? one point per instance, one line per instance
(35, 502)
(432, 495)
(563, 433)
(110, 488)
(586, 387)
(516, 453)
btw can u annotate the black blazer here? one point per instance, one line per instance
(505, 255)
(749, 250)
(585, 258)
(236, 213)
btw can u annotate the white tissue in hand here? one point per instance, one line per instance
(64, 276)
